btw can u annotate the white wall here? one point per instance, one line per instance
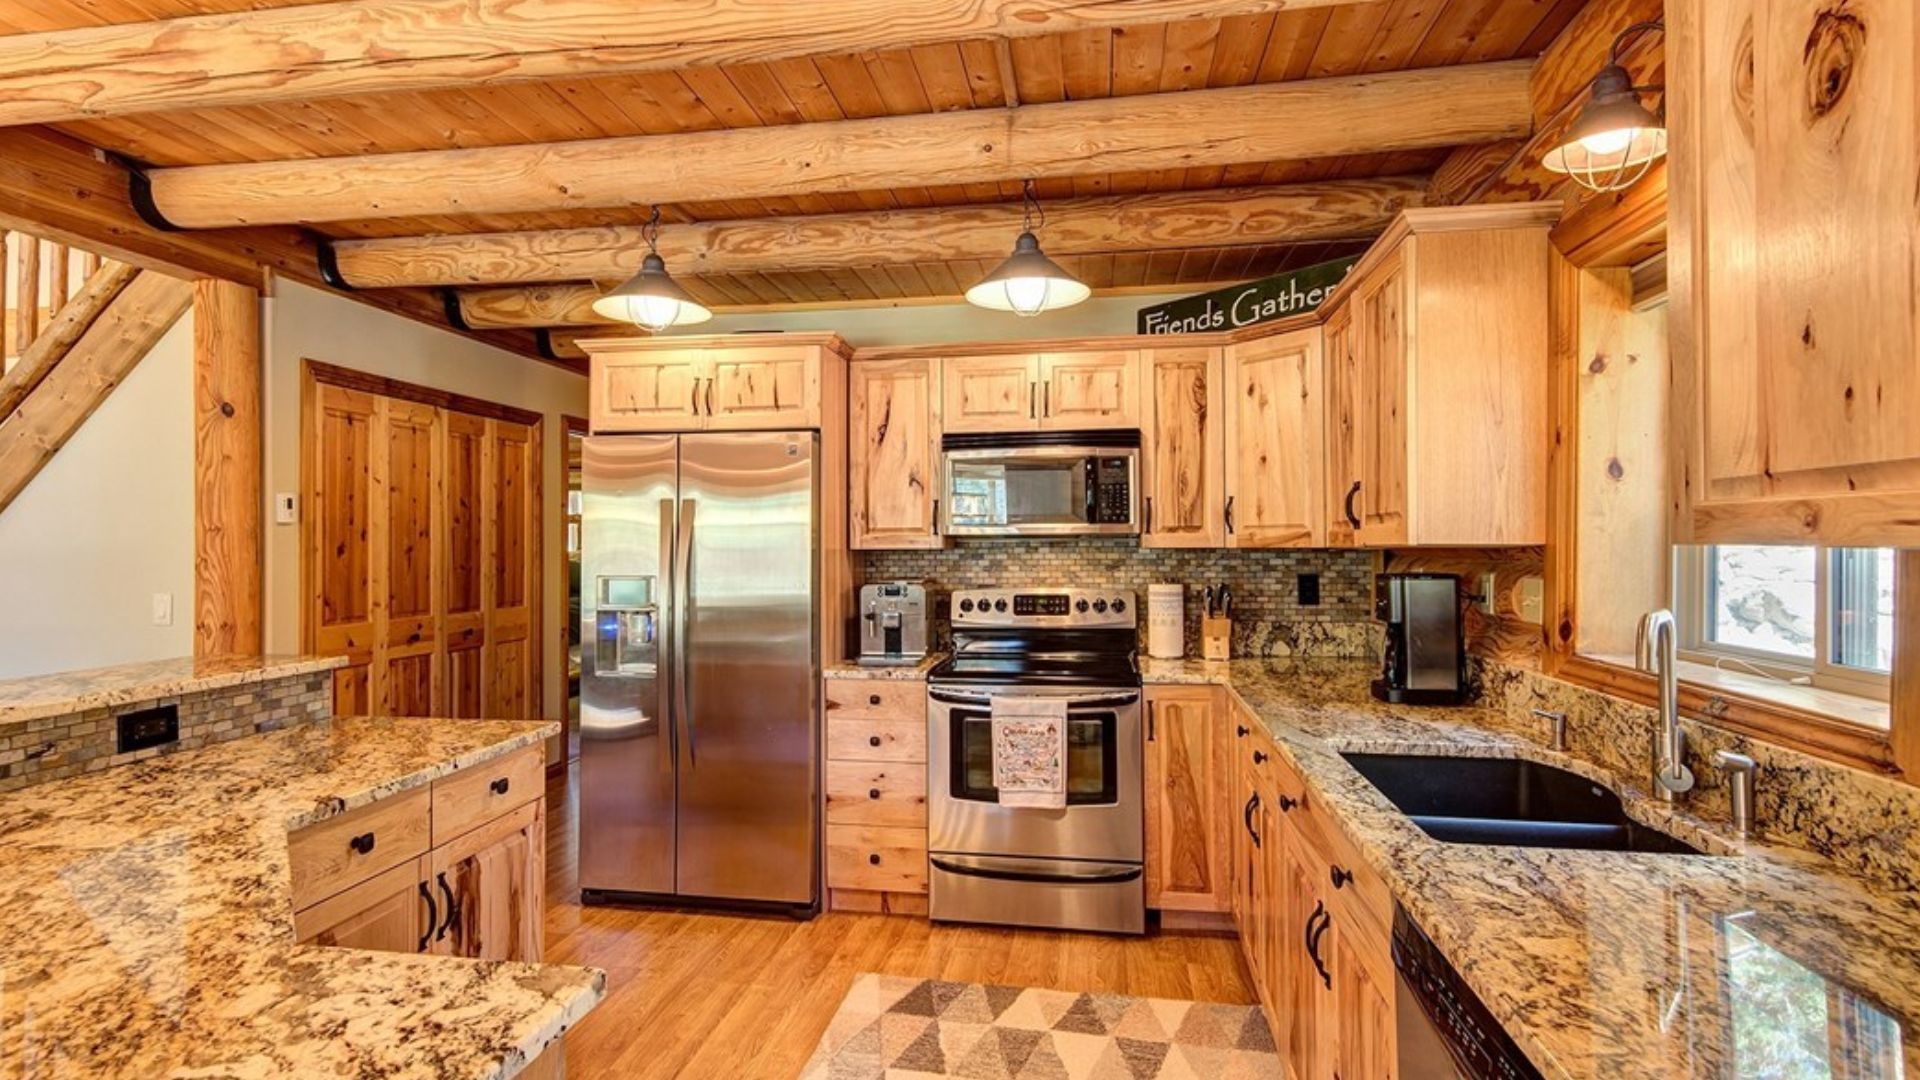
(933, 324)
(310, 324)
(106, 524)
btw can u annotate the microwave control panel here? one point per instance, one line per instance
(1111, 488)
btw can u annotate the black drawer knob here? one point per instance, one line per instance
(873, 793)
(873, 699)
(1259, 758)
(500, 786)
(1241, 730)
(874, 859)
(362, 844)
(873, 740)
(1287, 803)
(1341, 876)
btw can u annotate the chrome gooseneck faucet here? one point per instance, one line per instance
(1654, 653)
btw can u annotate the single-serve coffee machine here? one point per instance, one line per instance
(1426, 657)
(893, 623)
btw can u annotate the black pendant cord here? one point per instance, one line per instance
(650, 232)
(1030, 208)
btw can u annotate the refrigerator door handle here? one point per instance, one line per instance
(683, 633)
(669, 652)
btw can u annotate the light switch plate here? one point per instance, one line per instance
(286, 509)
(1487, 599)
(162, 609)
(1532, 600)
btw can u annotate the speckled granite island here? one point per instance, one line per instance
(146, 923)
(1764, 959)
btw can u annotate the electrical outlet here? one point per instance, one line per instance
(1486, 600)
(1308, 590)
(1532, 600)
(286, 509)
(162, 609)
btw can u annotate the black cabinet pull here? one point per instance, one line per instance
(873, 793)
(1353, 493)
(1259, 757)
(1341, 875)
(1314, 934)
(500, 786)
(873, 740)
(1146, 523)
(874, 859)
(1150, 711)
(873, 699)
(1229, 515)
(433, 917)
(936, 517)
(362, 844)
(1241, 731)
(1287, 803)
(1252, 805)
(453, 908)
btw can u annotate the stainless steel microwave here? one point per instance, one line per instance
(1049, 483)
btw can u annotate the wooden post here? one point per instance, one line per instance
(57, 283)
(27, 301)
(6, 347)
(227, 476)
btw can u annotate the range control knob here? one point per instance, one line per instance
(1099, 607)
(1119, 606)
(1000, 605)
(966, 604)
(1080, 605)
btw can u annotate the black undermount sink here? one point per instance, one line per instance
(1462, 800)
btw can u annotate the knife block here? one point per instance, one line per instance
(1216, 638)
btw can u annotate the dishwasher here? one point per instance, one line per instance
(1443, 1030)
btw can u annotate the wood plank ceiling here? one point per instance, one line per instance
(1363, 38)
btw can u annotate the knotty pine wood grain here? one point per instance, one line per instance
(228, 481)
(1183, 447)
(894, 473)
(60, 334)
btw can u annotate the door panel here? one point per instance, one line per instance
(1343, 449)
(990, 393)
(748, 780)
(1380, 337)
(341, 558)
(893, 413)
(1187, 812)
(763, 388)
(511, 655)
(626, 713)
(1090, 390)
(1183, 447)
(1276, 442)
(656, 391)
(388, 913)
(406, 626)
(464, 625)
(495, 876)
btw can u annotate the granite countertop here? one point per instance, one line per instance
(146, 924)
(1755, 961)
(853, 669)
(39, 696)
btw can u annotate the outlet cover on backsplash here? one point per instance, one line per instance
(1273, 616)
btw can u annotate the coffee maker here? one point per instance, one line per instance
(893, 623)
(1426, 656)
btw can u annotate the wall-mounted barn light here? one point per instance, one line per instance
(1028, 283)
(1616, 138)
(651, 298)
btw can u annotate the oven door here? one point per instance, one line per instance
(1102, 820)
(1041, 491)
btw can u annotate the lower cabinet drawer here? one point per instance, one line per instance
(877, 793)
(344, 851)
(479, 793)
(878, 858)
(896, 739)
(876, 699)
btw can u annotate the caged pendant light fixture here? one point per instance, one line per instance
(1616, 139)
(1028, 282)
(651, 298)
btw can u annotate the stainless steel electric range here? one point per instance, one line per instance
(1077, 867)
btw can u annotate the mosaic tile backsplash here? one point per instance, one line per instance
(1269, 619)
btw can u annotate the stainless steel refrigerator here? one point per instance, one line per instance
(700, 664)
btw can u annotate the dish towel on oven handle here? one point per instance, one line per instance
(1030, 751)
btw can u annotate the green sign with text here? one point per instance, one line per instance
(1281, 296)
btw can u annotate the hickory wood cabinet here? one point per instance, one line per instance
(1437, 345)
(893, 418)
(1792, 240)
(1187, 765)
(876, 795)
(1048, 391)
(1183, 449)
(1275, 441)
(713, 383)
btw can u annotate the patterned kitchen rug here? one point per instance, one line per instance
(892, 1028)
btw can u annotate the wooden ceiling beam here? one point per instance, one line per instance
(1334, 210)
(391, 46)
(1403, 110)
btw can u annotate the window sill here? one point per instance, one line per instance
(1862, 712)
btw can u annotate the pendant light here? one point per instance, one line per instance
(1028, 283)
(651, 298)
(1616, 139)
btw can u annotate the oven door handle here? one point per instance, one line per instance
(999, 871)
(1081, 701)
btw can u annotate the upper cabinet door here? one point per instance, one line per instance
(1085, 390)
(1380, 341)
(1343, 431)
(762, 388)
(1791, 268)
(1183, 447)
(1276, 442)
(654, 391)
(991, 393)
(894, 415)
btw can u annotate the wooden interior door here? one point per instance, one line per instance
(990, 393)
(1276, 440)
(340, 551)
(405, 570)
(1183, 444)
(1187, 768)
(510, 658)
(893, 410)
(1343, 429)
(1088, 390)
(1381, 339)
(495, 876)
(464, 532)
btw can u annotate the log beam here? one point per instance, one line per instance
(1402, 110)
(228, 484)
(1337, 210)
(98, 362)
(389, 46)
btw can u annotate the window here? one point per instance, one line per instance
(1820, 617)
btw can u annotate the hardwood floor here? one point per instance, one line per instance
(703, 995)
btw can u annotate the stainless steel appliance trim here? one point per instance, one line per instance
(1116, 906)
(1037, 871)
(1064, 453)
(682, 638)
(1103, 699)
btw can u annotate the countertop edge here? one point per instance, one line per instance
(157, 687)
